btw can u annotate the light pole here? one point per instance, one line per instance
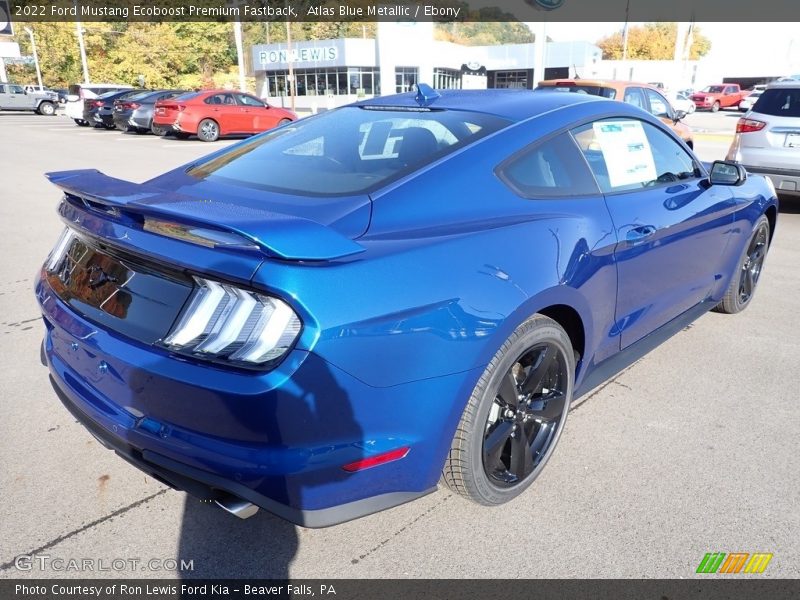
(79, 29)
(29, 31)
(237, 34)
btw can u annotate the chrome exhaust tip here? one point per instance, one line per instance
(237, 507)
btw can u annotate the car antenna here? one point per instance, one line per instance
(425, 94)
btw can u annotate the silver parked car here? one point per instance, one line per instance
(767, 139)
(14, 97)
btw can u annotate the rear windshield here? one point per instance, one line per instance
(139, 95)
(347, 151)
(593, 90)
(187, 96)
(780, 102)
(108, 94)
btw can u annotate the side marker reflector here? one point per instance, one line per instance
(378, 459)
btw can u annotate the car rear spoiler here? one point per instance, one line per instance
(276, 234)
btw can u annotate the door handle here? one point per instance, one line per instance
(638, 234)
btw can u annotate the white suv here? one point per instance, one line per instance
(767, 138)
(86, 91)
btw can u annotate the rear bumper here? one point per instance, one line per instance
(98, 118)
(278, 439)
(206, 485)
(786, 181)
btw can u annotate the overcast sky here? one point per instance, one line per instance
(749, 43)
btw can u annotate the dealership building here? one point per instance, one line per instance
(330, 73)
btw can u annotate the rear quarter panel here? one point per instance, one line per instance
(454, 262)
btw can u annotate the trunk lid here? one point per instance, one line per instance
(144, 217)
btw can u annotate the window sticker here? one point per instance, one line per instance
(627, 152)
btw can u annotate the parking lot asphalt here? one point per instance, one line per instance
(693, 449)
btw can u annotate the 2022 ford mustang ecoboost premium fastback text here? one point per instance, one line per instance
(327, 319)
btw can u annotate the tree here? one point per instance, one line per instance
(484, 34)
(652, 41)
(57, 47)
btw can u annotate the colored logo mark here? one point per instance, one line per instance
(735, 562)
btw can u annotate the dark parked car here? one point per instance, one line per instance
(135, 113)
(330, 318)
(99, 111)
(62, 95)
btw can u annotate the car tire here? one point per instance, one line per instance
(47, 109)
(526, 388)
(208, 130)
(81, 123)
(744, 282)
(715, 107)
(158, 130)
(283, 122)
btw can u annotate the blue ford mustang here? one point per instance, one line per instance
(328, 319)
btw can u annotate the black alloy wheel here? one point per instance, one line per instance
(744, 281)
(525, 415)
(753, 262)
(515, 415)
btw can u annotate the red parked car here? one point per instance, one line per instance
(714, 97)
(210, 114)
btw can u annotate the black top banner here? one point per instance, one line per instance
(405, 10)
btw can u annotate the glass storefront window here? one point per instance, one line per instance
(511, 79)
(405, 79)
(446, 79)
(319, 82)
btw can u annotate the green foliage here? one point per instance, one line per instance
(652, 41)
(188, 55)
(484, 34)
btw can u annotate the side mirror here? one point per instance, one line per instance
(679, 115)
(727, 173)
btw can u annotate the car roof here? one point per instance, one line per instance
(514, 105)
(615, 83)
(786, 83)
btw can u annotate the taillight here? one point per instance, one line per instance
(748, 125)
(226, 323)
(133, 105)
(98, 103)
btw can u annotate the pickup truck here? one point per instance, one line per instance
(722, 95)
(14, 97)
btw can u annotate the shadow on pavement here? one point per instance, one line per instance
(223, 546)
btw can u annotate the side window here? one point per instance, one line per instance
(553, 168)
(659, 106)
(628, 154)
(17, 89)
(730, 90)
(3, 89)
(220, 99)
(250, 101)
(634, 95)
